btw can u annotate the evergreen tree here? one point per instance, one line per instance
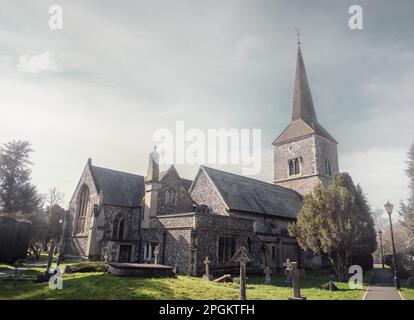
(336, 221)
(407, 209)
(17, 194)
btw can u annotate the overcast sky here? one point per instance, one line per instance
(120, 70)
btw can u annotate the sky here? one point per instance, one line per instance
(119, 71)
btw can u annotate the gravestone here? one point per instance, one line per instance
(175, 269)
(288, 273)
(242, 256)
(295, 282)
(50, 256)
(410, 280)
(207, 275)
(105, 257)
(224, 278)
(268, 279)
(156, 254)
(331, 286)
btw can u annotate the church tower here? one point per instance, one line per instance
(305, 154)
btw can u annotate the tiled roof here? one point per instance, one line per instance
(250, 195)
(119, 188)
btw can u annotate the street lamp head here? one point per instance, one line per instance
(388, 207)
(380, 232)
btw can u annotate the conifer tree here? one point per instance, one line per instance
(336, 221)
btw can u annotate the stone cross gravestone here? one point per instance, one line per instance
(242, 256)
(295, 282)
(288, 273)
(207, 275)
(268, 279)
(156, 254)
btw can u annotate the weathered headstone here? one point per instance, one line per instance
(50, 256)
(410, 280)
(268, 279)
(156, 254)
(296, 282)
(288, 273)
(242, 256)
(207, 275)
(331, 286)
(224, 278)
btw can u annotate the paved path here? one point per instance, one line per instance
(382, 287)
(4, 273)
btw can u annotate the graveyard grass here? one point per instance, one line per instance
(407, 293)
(106, 286)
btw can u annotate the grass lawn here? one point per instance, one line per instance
(107, 286)
(407, 293)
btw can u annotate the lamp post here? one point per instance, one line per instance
(382, 252)
(388, 208)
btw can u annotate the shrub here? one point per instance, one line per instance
(14, 239)
(87, 267)
(388, 259)
(365, 261)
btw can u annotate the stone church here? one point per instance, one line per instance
(116, 216)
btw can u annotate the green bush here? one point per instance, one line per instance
(366, 261)
(87, 267)
(14, 239)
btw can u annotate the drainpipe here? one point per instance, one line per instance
(163, 245)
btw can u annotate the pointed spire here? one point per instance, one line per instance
(153, 172)
(302, 99)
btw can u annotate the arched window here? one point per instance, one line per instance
(82, 209)
(328, 169)
(115, 230)
(171, 197)
(121, 229)
(118, 232)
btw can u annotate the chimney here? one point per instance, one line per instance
(152, 186)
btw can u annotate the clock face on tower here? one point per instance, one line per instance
(293, 148)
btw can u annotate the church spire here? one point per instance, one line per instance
(304, 121)
(302, 107)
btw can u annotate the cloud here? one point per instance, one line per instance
(37, 63)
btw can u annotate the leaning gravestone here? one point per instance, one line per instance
(242, 256)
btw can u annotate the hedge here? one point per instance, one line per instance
(14, 239)
(87, 267)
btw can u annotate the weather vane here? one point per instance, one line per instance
(298, 35)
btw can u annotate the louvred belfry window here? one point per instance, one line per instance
(82, 208)
(294, 166)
